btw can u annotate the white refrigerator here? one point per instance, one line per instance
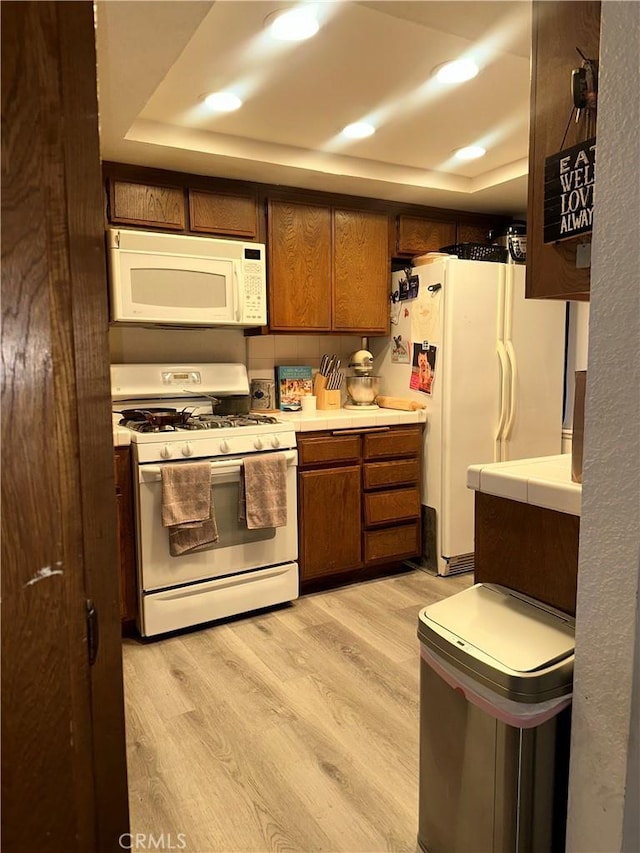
(489, 365)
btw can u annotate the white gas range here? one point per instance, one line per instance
(172, 421)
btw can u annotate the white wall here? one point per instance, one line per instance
(603, 786)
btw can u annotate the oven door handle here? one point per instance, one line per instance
(153, 473)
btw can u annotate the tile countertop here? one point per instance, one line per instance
(350, 418)
(544, 481)
(319, 420)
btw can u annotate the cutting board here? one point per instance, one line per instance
(399, 403)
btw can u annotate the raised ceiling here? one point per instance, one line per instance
(369, 61)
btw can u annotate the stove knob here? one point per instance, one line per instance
(166, 452)
(258, 444)
(187, 450)
(224, 447)
(275, 441)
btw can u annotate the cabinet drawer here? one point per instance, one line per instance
(318, 450)
(397, 473)
(399, 442)
(392, 543)
(390, 506)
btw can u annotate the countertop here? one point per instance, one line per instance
(544, 481)
(319, 420)
(350, 418)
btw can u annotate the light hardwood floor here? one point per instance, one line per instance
(294, 729)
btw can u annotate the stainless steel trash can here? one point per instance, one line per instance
(496, 677)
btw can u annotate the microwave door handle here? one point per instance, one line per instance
(238, 294)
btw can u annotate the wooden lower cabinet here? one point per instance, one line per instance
(393, 543)
(330, 521)
(527, 548)
(126, 536)
(355, 513)
(391, 506)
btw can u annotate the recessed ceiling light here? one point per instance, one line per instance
(458, 71)
(223, 102)
(359, 130)
(471, 152)
(295, 25)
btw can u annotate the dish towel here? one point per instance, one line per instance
(187, 507)
(263, 491)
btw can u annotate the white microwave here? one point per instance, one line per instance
(178, 280)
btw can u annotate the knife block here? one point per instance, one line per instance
(326, 399)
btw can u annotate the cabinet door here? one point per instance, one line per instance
(417, 235)
(221, 213)
(330, 527)
(299, 267)
(556, 30)
(361, 272)
(473, 232)
(144, 204)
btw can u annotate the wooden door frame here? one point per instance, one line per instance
(64, 760)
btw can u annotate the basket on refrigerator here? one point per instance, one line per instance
(478, 252)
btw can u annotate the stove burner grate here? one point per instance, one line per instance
(147, 426)
(202, 422)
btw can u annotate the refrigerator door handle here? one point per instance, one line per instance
(504, 377)
(511, 355)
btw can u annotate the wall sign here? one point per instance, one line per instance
(569, 179)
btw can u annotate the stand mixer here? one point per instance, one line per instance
(363, 386)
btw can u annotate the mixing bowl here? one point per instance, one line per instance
(363, 390)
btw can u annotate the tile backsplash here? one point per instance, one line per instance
(260, 353)
(267, 351)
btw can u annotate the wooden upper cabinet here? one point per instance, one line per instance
(328, 269)
(299, 253)
(473, 232)
(224, 214)
(146, 204)
(361, 272)
(416, 235)
(558, 28)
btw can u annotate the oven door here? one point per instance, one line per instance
(238, 549)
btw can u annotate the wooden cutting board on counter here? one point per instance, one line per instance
(399, 403)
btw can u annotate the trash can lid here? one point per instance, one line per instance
(503, 638)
